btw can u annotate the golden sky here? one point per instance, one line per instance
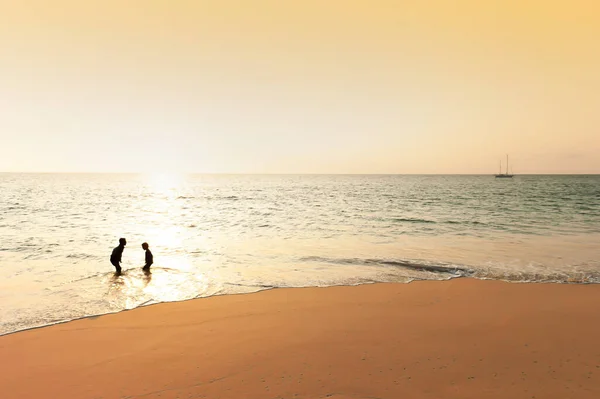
(282, 86)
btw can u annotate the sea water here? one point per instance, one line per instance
(231, 234)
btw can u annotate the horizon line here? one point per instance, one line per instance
(299, 173)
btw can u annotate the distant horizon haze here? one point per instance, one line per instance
(285, 174)
(336, 87)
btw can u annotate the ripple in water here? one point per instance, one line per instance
(218, 235)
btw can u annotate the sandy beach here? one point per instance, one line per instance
(452, 339)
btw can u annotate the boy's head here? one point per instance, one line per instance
(145, 246)
(122, 241)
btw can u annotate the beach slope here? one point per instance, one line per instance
(435, 339)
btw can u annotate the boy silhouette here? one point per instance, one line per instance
(149, 257)
(117, 253)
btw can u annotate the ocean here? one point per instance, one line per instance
(233, 234)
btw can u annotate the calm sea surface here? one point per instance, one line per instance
(222, 234)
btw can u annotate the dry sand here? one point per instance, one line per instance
(453, 339)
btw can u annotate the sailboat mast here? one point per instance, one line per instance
(507, 164)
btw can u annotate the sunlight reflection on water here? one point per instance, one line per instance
(232, 234)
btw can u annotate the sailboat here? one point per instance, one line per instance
(504, 175)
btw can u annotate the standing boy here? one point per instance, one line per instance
(149, 257)
(117, 253)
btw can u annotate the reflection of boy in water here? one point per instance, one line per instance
(149, 257)
(117, 253)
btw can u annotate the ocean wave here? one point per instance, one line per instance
(471, 222)
(80, 256)
(532, 277)
(433, 271)
(408, 264)
(449, 270)
(413, 220)
(429, 221)
(257, 285)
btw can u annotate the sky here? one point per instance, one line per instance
(311, 86)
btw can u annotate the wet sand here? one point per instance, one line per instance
(452, 339)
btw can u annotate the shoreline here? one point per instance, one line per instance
(461, 337)
(95, 316)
